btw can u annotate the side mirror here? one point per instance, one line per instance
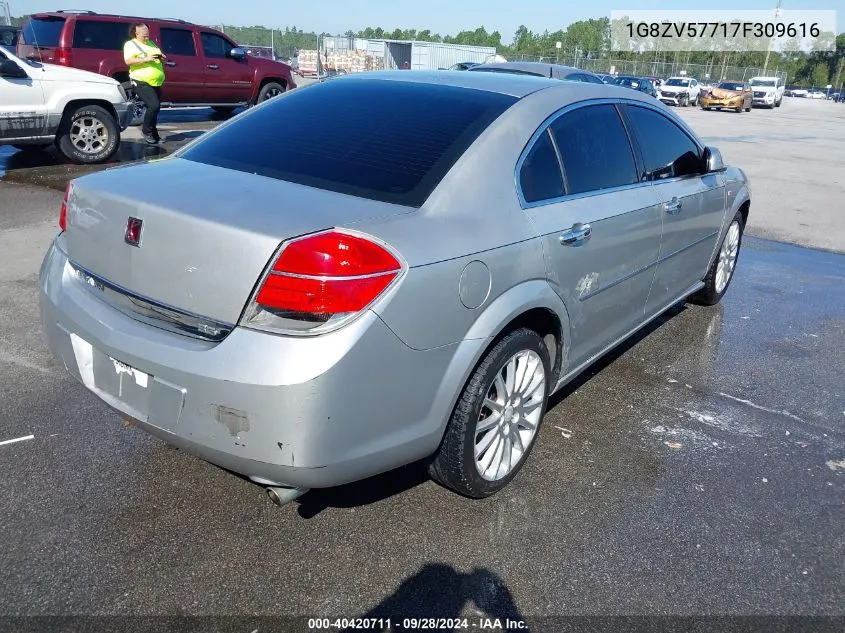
(8, 68)
(713, 160)
(237, 53)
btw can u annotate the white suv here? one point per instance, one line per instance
(767, 91)
(679, 91)
(83, 113)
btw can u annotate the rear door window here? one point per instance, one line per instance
(102, 35)
(391, 141)
(42, 31)
(594, 148)
(540, 177)
(178, 42)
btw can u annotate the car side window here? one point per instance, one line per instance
(99, 34)
(178, 42)
(215, 46)
(595, 149)
(668, 151)
(540, 177)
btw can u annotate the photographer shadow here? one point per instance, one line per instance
(439, 591)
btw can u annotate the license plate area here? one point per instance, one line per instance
(136, 393)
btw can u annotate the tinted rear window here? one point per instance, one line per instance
(42, 31)
(384, 140)
(102, 35)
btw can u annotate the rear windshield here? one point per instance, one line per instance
(391, 141)
(42, 31)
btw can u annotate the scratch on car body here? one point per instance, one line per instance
(586, 284)
(235, 420)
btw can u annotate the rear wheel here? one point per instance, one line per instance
(88, 135)
(722, 269)
(495, 423)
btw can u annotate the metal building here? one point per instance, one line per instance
(396, 54)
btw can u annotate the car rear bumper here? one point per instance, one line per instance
(298, 411)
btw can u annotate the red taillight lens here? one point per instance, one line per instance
(320, 277)
(63, 57)
(63, 210)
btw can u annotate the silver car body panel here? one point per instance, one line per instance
(322, 410)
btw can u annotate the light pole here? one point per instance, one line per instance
(769, 49)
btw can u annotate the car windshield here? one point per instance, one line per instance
(677, 82)
(627, 81)
(763, 82)
(391, 141)
(730, 85)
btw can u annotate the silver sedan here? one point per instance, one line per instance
(385, 268)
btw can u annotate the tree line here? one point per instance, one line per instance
(585, 39)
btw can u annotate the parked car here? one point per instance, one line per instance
(81, 113)
(463, 65)
(9, 37)
(204, 67)
(301, 349)
(767, 91)
(539, 69)
(733, 95)
(636, 83)
(680, 91)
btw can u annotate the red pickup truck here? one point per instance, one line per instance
(204, 67)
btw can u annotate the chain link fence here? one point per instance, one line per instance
(703, 72)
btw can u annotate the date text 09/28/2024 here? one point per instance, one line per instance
(416, 624)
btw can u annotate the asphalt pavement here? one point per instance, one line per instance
(698, 470)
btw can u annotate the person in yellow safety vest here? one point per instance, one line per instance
(146, 72)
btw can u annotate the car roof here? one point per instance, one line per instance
(503, 83)
(533, 67)
(94, 15)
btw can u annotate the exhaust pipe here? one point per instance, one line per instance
(282, 496)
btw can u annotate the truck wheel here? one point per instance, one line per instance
(88, 135)
(270, 90)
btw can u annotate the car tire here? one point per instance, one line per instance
(88, 135)
(777, 103)
(270, 90)
(455, 464)
(705, 108)
(721, 271)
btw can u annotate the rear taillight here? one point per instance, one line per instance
(320, 281)
(63, 56)
(63, 210)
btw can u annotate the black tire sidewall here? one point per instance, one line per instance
(67, 148)
(708, 295)
(262, 94)
(517, 341)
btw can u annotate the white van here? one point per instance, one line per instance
(83, 113)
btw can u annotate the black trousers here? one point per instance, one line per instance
(151, 96)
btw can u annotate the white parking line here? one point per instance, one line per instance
(17, 439)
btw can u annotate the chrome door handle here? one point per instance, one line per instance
(169, 63)
(213, 66)
(577, 235)
(673, 207)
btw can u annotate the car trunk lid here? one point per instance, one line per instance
(207, 233)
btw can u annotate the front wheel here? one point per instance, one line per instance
(270, 90)
(88, 135)
(722, 269)
(495, 423)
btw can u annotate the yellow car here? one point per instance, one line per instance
(733, 95)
